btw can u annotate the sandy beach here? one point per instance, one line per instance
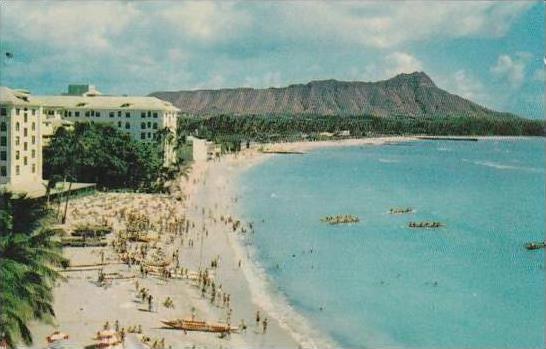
(210, 237)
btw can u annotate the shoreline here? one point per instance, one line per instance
(210, 191)
(263, 291)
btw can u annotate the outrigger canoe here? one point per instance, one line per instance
(197, 325)
(535, 245)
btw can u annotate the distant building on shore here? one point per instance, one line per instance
(203, 150)
(82, 90)
(28, 122)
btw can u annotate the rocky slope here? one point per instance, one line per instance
(413, 95)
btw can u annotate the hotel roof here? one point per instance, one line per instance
(16, 97)
(106, 102)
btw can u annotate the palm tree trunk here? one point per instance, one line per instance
(66, 202)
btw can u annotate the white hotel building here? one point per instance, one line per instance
(20, 139)
(26, 123)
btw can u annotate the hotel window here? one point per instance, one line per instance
(17, 126)
(17, 154)
(3, 141)
(33, 127)
(87, 113)
(33, 153)
(155, 125)
(119, 113)
(17, 140)
(25, 132)
(33, 168)
(127, 125)
(97, 114)
(25, 118)
(143, 135)
(143, 115)
(65, 113)
(17, 170)
(25, 146)
(69, 113)
(127, 115)
(3, 171)
(143, 125)
(149, 113)
(25, 160)
(111, 114)
(3, 126)
(77, 114)
(149, 135)
(3, 155)
(17, 111)
(3, 112)
(119, 123)
(155, 115)
(149, 124)
(33, 112)
(33, 139)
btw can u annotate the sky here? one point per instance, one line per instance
(489, 52)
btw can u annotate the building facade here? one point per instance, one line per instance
(203, 150)
(146, 119)
(28, 122)
(20, 139)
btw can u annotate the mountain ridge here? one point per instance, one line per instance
(414, 95)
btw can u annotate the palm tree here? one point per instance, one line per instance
(29, 256)
(163, 137)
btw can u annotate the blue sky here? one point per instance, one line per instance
(489, 52)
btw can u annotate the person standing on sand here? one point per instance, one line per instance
(257, 318)
(150, 298)
(264, 323)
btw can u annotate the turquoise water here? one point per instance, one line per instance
(380, 284)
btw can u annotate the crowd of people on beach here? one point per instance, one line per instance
(150, 233)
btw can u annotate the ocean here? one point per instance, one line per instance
(380, 284)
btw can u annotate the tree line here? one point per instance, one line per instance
(100, 153)
(259, 128)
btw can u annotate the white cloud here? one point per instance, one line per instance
(207, 20)
(511, 68)
(468, 86)
(391, 65)
(388, 24)
(86, 25)
(402, 62)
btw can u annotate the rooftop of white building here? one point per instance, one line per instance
(106, 102)
(16, 97)
(89, 101)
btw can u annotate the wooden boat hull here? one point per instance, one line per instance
(201, 326)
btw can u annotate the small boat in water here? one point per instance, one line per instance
(340, 219)
(425, 224)
(400, 210)
(535, 245)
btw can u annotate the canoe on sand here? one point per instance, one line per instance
(197, 325)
